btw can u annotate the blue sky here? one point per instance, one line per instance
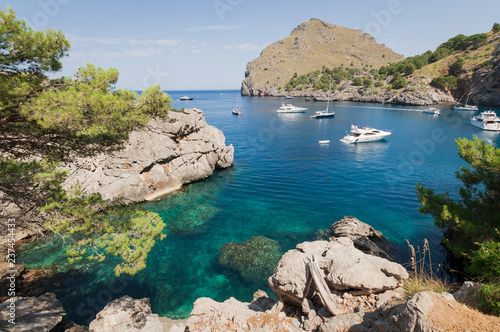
(206, 44)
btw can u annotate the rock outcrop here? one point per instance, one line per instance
(310, 46)
(41, 313)
(127, 315)
(155, 160)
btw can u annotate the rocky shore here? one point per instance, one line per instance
(344, 284)
(158, 159)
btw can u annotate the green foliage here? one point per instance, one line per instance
(367, 82)
(398, 82)
(457, 65)
(379, 84)
(470, 224)
(45, 122)
(444, 82)
(357, 81)
(486, 260)
(489, 298)
(496, 28)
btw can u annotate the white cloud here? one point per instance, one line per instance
(99, 40)
(162, 42)
(244, 47)
(200, 48)
(140, 53)
(216, 27)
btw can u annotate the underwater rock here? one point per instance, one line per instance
(253, 259)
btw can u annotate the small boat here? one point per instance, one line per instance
(186, 98)
(308, 99)
(288, 97)
(487, 120)
(236, 111)
(465, 107)
(324, 142)
(432, 110)
(360, 134)
(325, 113)
(289, 108)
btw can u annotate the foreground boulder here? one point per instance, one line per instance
(127, 315)
(155, 160)
(341, 268)
(32, 313)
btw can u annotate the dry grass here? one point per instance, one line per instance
(421, 276)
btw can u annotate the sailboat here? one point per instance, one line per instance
(465, 107)
(325, 113)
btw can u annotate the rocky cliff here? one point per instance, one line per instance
(310, 46)
(155, 160)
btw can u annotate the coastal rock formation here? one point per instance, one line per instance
(253, 259)
(32, 313)
(364, 237)
(155, 160)
(342, 267)
(127, 315)
(310, 46)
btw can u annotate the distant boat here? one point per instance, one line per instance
(487, 120)
(308, 99)
(236, 111)
(289, 108)
(288, 97)
(465, 106)
(325, 113)
(361, 134)
(324, 142)
(186, 98)
(432, 110)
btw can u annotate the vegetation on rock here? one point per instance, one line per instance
(46, 122)
(471, 225)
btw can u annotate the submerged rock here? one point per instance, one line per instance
(253, 259)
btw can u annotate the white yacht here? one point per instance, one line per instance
(432, 110)
(465, 107)
(360, 134)
(289, 108)
(487, 120)
(186, 98)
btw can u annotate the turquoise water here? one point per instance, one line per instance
(284, 186)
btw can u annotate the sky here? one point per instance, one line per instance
(206, 44)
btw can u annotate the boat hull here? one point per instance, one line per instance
(485, 126)
(322, 116)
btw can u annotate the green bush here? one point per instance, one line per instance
(489, 298)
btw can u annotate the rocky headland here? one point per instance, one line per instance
(345, 283)
(154, 161)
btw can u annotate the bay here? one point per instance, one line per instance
(283, 185)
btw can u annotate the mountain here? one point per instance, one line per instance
(310, 46)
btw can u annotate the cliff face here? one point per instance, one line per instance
(310, 46)
(156, 160)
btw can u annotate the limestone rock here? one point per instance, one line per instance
(155, 160)
(345, 269)
(126, 315)
(365, 238)
(32, 313)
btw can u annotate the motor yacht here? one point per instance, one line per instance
(289, 108)
(487, 120)
(360, 134)
(432, 110)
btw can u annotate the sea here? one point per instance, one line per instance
(284, 186)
